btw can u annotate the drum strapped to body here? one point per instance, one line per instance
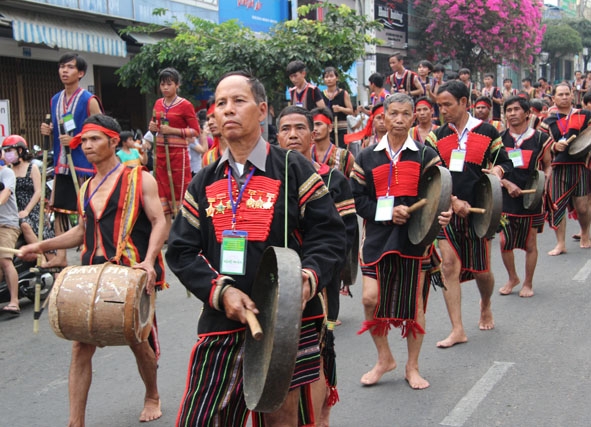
(534, 190)
(435, 187)
(488, 207)
(581, 144)
(103, 304)
(269, 363)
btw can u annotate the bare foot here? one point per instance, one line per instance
(151, 410)
(558, 250)
(372, 377)
(526, 291)
(508, 288)
(453, 339)
(486, 322)
(415, 380)
(585, 243)
(577, 236)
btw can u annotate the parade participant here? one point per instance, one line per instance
(395, 285)
(403, 80)
(9, 232)
(424, 116)
(587, 101)
(252, 211)
(528, 149)
(570, 175)
(586, 86)
(527, 88)
(325, 152)
(436, 81)
(338, 101)
(69, 108)
(100, 204)
(424, 68)
(482, 108)
(494, 94)
(219, 143)
(28, 190)
(131, 153)
(544, 88)
(295, 133)
(377, 93)
(578, 89)
(303, 94)
(176, 123)
(468, 148)
(374, 128)
(464, 76)
(536, 115)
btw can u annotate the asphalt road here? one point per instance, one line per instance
(531, 370)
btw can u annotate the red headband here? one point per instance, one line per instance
(486, 104)
(77, 140)
(425, 103)
(322, 118)
(365, 132)
(211, 109)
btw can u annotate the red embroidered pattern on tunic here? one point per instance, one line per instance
(476, 146)
(525, 155)
(446, 145)
(576, 121)
(404, 181)
(255, 211)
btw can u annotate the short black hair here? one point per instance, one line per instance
(377, 79)
(125, 135)
(170, 75)
(507, 80)
(439, 68)
(523, 103)
(81, 64)
(464, 71)
(294, 67)
(330, 70)
(425, 99)
(456, 88)
(256, 87)
(295, 109)
(536, 104)
(491, 75)
(399, 56)
(526, 79)
(375, 107)
(484, 99)
(587, 98)
(426, 64)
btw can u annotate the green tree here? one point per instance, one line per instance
(202, 51)
(560, 39)
(583, 27)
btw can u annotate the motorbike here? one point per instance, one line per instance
(26, 277)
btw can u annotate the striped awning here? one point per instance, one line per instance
(66, 33)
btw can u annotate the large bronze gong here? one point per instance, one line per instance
(269, 363)
(581, 144)
(488, 206)
(435, 186)
(534, 190)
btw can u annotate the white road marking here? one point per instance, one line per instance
(583, 273)
(467, 405)
(52, 385)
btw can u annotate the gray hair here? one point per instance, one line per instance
(401, 98)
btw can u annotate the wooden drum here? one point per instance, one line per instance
(103, 304)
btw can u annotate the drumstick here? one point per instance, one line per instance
(417, 205)
(530, 191)
(254, 325)
(10, 250)
(477, 210)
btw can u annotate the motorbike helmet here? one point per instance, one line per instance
(14, 141)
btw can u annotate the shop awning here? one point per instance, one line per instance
(66, 33)
(145, 38)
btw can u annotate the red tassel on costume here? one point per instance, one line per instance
(379, 327)
(333, 396)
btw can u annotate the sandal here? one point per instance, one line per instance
(11, 310)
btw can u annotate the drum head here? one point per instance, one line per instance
(581, 145)
(489, 196)
(535, 182)
(435, 185)
(270, 362)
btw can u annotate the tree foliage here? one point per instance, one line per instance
(480, 34)
(203, 51)
(583, 27)
(560, 39)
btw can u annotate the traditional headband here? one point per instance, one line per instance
(486, 104)
(367, 130)
(77, 140)
(425, 103)
(211, 109)
(322, 118)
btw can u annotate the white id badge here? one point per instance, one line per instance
(69, 123)
(233, 256)
(516, 157)
(384, 208)
(456, 163)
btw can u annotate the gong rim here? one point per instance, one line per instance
(435, 186)
(270, 362)
(581, 146)
(536, 181)
(488, 196)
